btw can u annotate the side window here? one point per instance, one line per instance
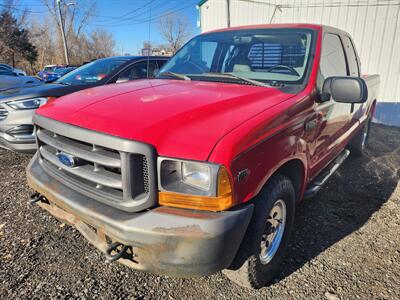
(266, 55)
(137, 71)
(161, 63)
(333, 61)
(202, 57)
(351, 57)
(207, 53)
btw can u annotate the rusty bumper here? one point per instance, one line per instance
(164, 240)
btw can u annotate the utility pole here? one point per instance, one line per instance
(228, 13)
(63, 33)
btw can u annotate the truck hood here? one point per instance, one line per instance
(183, 119)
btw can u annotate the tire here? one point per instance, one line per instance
(359, 141)
(252, 269)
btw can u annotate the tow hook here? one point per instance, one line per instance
(120, 250)
(35, 197)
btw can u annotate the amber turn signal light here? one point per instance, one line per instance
(222, 201)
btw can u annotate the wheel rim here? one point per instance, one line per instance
(273, 233)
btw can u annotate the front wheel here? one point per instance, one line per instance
(267, 235)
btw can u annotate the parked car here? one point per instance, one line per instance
(46, 69)
(9, 79)
(18, 105)
(15, 70)
(54, 75)
(43, 74)
(200, 170)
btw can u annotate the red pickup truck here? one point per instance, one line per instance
(200, 169)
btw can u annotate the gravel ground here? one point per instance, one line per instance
(345, 245)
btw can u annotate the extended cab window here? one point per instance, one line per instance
(351, 57)
(254, 56)
(333, 61)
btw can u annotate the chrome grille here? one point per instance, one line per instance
(3, 112)
(103, 173)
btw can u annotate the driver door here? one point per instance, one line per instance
(333, 118)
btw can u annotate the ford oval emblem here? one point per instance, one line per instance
(66, 159)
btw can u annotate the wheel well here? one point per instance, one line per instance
(372, 109)
(294, 170)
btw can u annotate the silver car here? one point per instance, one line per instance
(18, 105)
(15, 70)
(11, 79)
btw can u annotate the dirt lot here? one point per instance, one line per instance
(346, 243)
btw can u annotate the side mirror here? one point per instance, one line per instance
(345, 89)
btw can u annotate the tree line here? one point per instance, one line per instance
(32, 41)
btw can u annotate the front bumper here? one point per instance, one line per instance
(165, 240)
(26, 145)
(19, 143)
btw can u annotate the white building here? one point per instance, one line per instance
(373, 24)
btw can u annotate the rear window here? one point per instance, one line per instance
(264, 56)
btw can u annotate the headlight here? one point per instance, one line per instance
(196, 175)
(27, 103)
(195, 185)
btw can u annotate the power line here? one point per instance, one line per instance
(143, 20)
(123, 17)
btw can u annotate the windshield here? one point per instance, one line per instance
(46, 69)
(261, 55)
(91, 72)
(63, 70)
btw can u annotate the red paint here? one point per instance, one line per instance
(180, 118)
(241, 127)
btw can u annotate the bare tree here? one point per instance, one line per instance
(76, 17)
(42, 36)
(101, 44)
(42, 43)
(15, 46)
(175, 29)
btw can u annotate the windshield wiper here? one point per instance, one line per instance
(239, 78)
(176, 75)
(248, 80)
(63, 83)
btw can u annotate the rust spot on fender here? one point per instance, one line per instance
(186, 213)
(192, 231)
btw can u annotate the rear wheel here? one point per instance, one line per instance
(263, 247)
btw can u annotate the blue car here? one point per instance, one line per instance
(47, 69)
(54, 75)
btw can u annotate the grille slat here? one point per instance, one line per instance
(105, 168)
(3, 113)
(100, 176)
(93, 154)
